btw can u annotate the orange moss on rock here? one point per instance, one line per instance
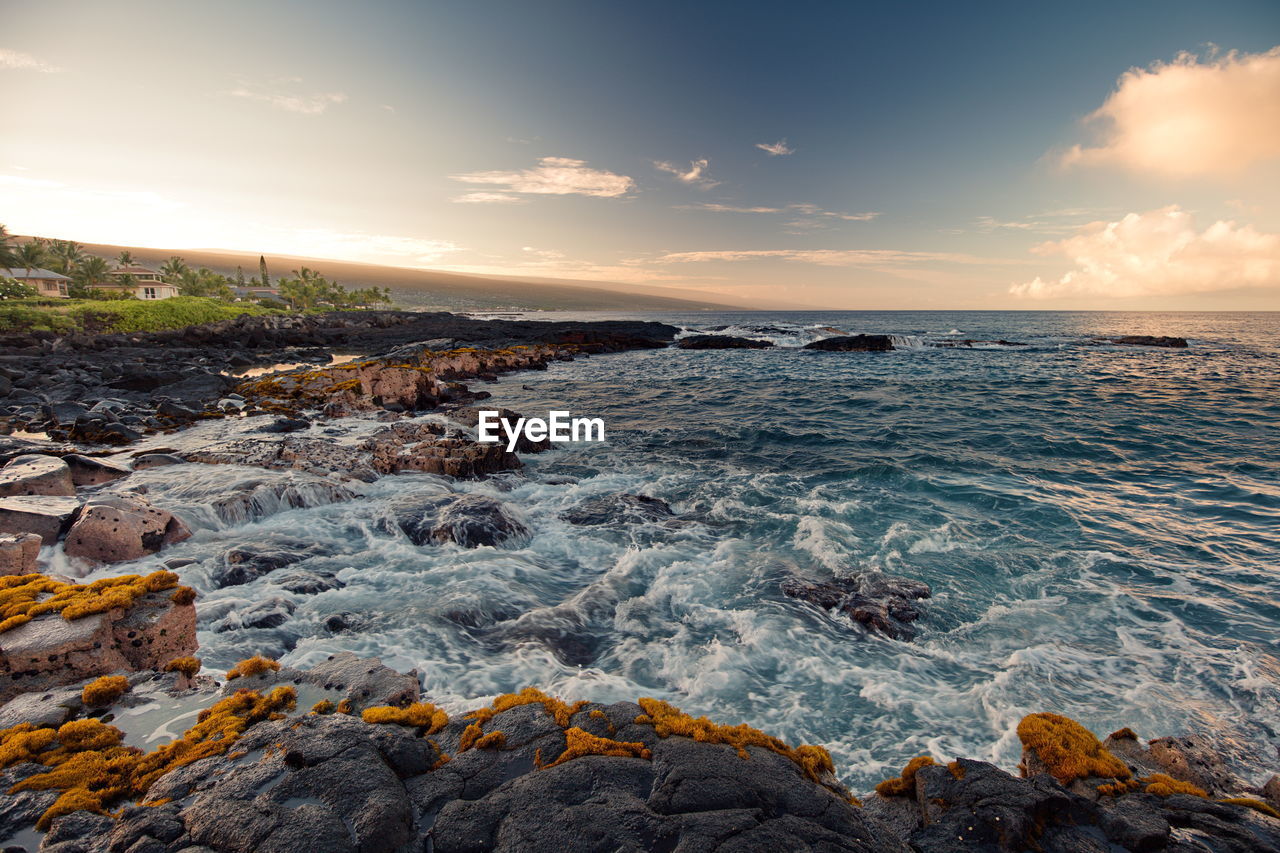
(561, 711)
(183, 595)
(324, 706)
(1166, 786)
(1250, 803)
(188, 666)
(1067, 749)
(957, 770)
(904, 785)
(579, 743)
(1123, 734)
(92, 771)
(1115, 789)
(419, 714)
(668, 720)
(24, 597)
(103, 691)
(344, 707)
(255, 665)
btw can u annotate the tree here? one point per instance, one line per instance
(262, 270)
(64, 256)
(90, 273)
(171, 271)
(125, 259)
(8, 250)
(205, 282)
(240, 277)
(31, 256)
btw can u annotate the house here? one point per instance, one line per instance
(142, 282)
(45, 283)
(254, 294)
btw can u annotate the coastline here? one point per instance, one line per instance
(777, 797)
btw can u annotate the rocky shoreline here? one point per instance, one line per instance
(111, 739)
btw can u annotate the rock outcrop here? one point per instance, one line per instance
(46, 517)
(721, 342)
(466, 520)
(114, 528)
(109, 629)
(36, 475)
(853, 343)
(1150, 341)
(18, 553)
(881, 603)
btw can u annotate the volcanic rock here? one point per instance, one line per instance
(114, 528)
(853, 343)
(721, 342)
(880, 603)
(36, 475)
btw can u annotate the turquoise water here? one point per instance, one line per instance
(1100, 526)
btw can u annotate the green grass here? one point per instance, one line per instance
(123, 315)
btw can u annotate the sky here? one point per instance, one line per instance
(818, 154)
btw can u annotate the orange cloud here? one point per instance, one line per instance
(1159, 253)
(1188, 117)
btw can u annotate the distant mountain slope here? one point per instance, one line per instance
(412, 288)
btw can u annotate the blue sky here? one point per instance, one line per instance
(927, 158)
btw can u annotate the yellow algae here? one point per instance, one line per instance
(668, 720)
(255, 665)
(957, 770)
(103, 691)
(324, 706)
(24, 597)
(905, 784)
(579, 743)
(1250, 803)
(529, 696)
(1164, 786)
(92, 770)
(597, 714)
(470, 735)
(344, 707)
(1123, 734)
(1068, 749)
(183, 595)
(420, 714)
(187, 665)
(1115, 789)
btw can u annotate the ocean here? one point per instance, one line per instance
(1100, 526)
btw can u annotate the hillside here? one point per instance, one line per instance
(414, 288)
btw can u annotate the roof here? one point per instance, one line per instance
(250, 291)
(135, 269)
(20, 272)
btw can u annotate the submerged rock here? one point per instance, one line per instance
(619, 509)
(853, 343)
(1150, 341)
(467, 520)
(721, 342)
(247, 562)
(880, 603)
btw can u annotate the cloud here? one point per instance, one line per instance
(695, 176)
(803, 209)
(488, 198)
(310, 105)
(1188, 117)
(12, 60)
(1159, 253)
(826, 257)
(776, 149)
(555, 176)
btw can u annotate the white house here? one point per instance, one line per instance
(142, 282)
(46, 283)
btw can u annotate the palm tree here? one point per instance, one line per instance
(92, 272)
(173, 269)
(8, 250)
(31, 255)
(65, 255)
(125, 259)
